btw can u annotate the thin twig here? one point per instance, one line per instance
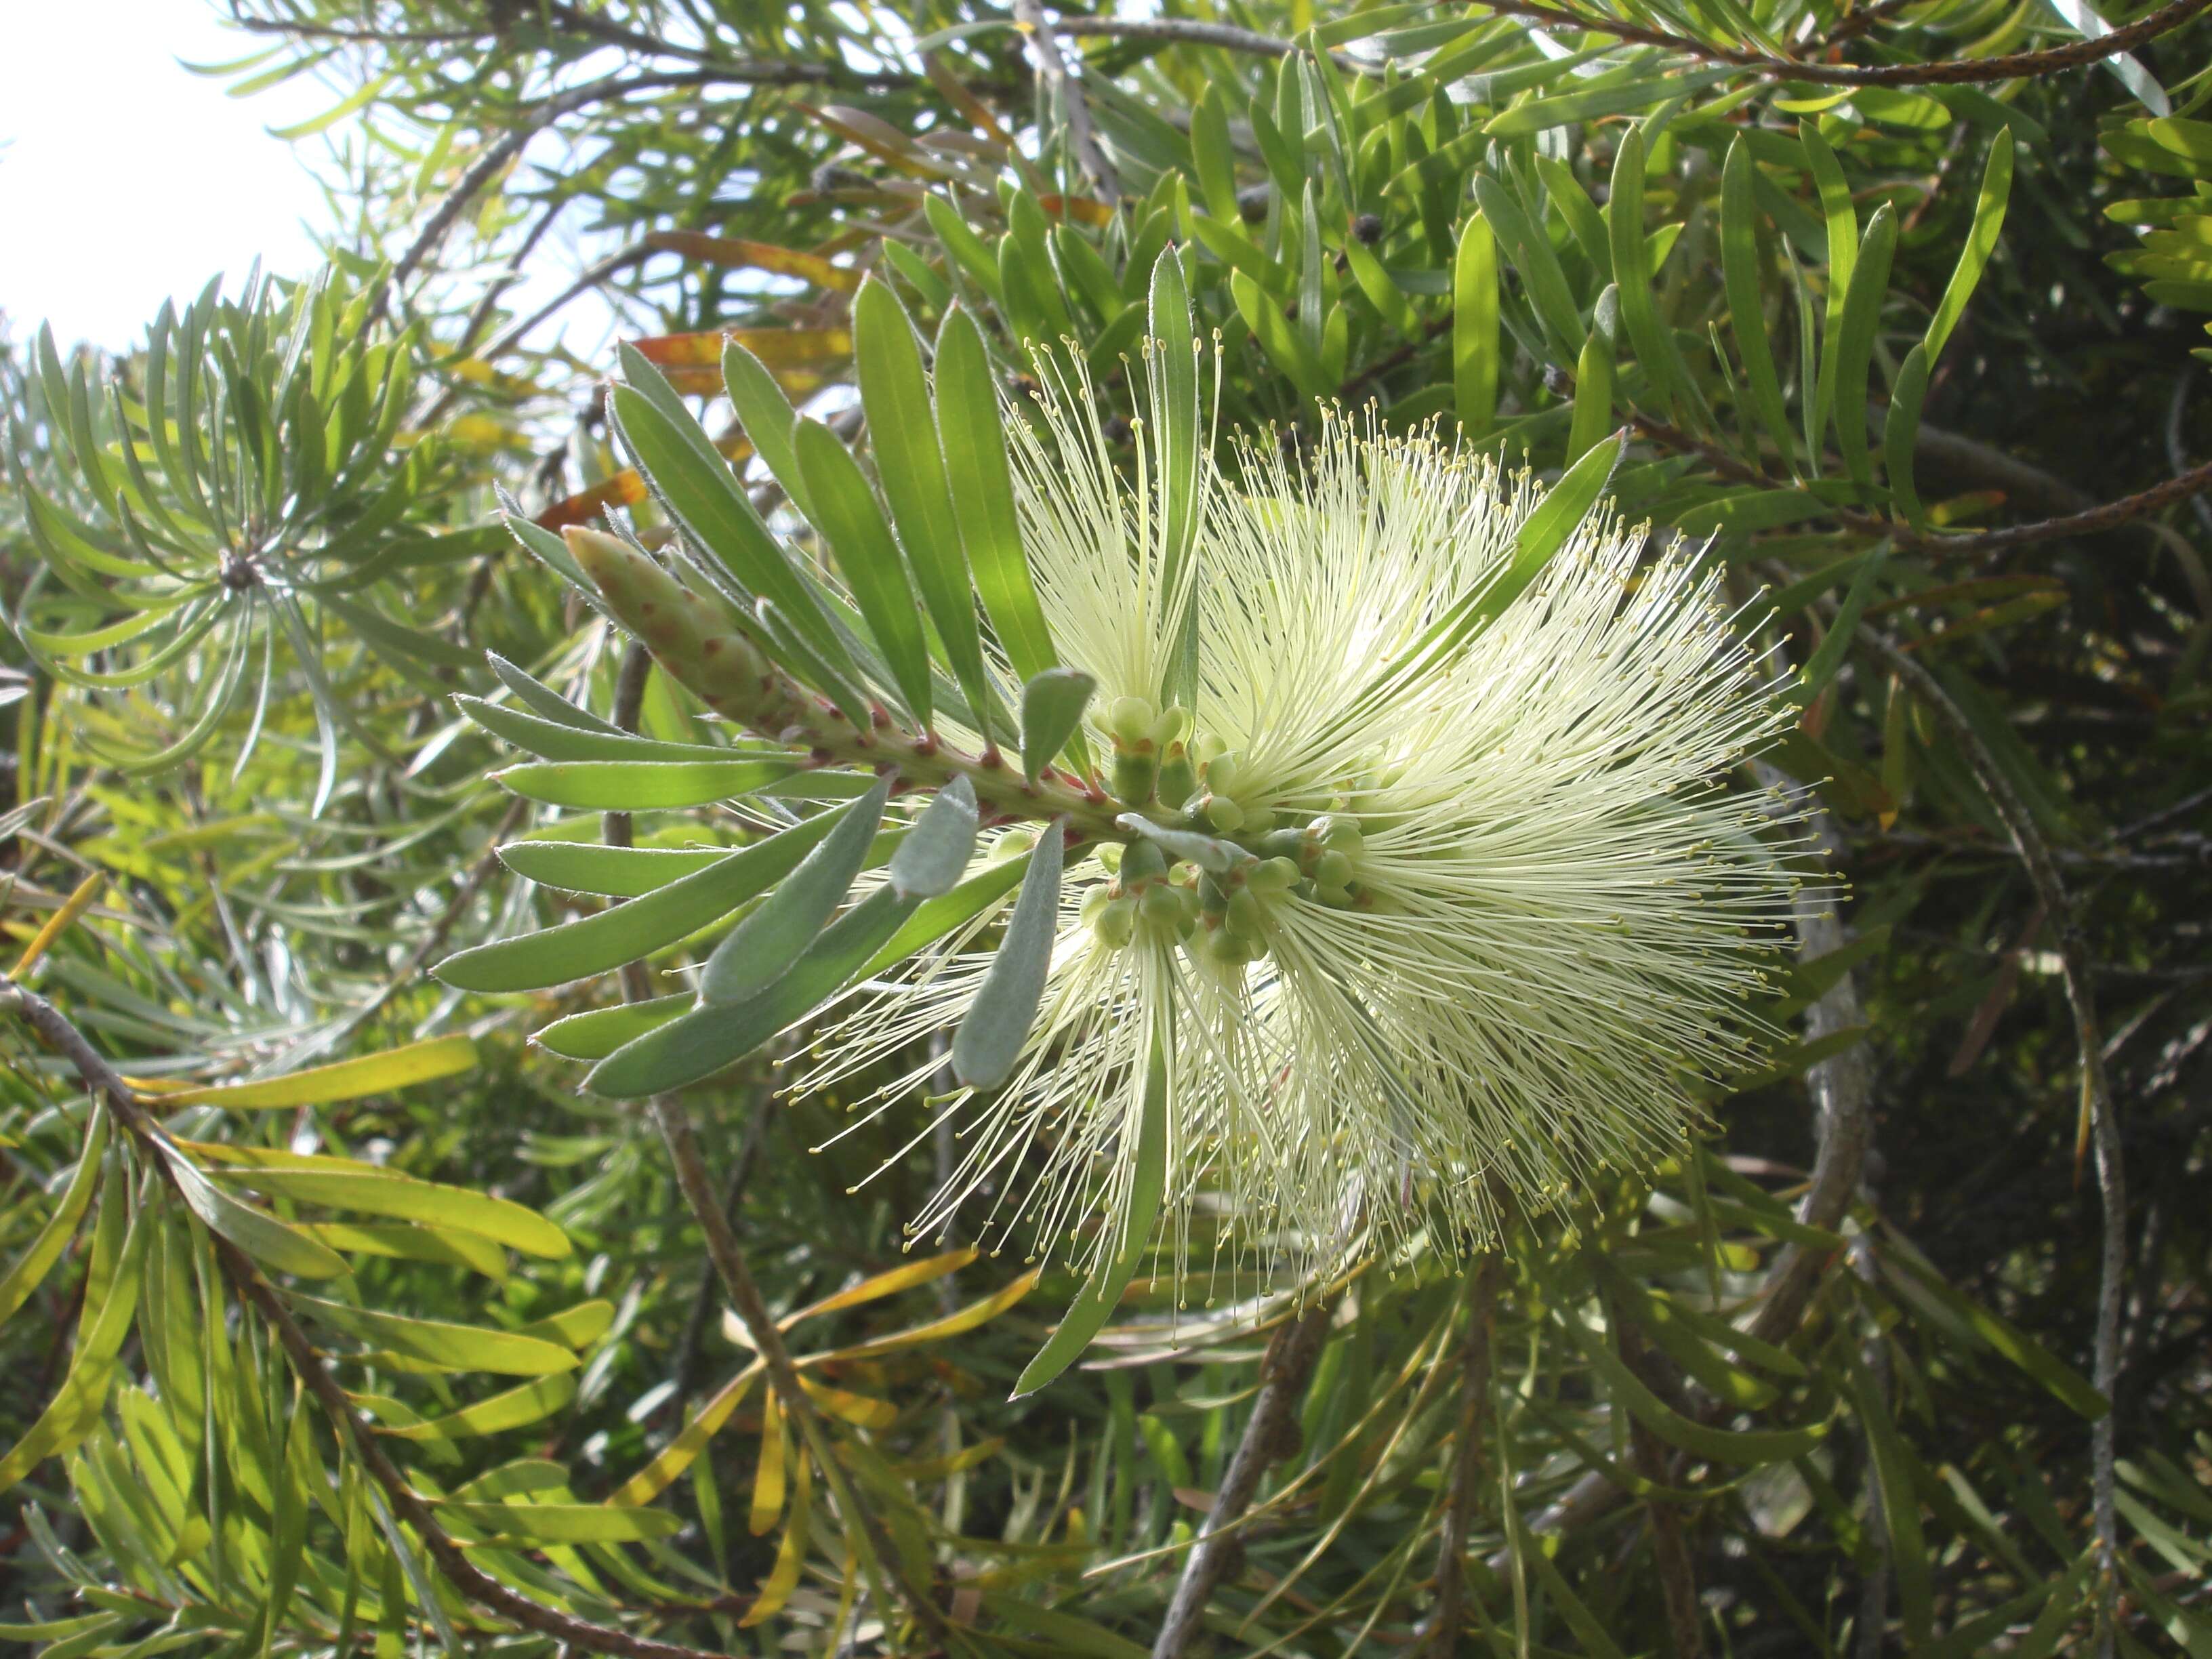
(1941, 71)
(728, 1256)
(1179, 31)
(2096, 1095)
(131, 1110)
(2106, 515)
(1269, 1437)
(1468, 1478)
(1670, 1548)
(1052, 66)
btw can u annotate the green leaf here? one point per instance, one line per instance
(1475, 350)
(932, 858)
(1900, 435)
(596, 1035)
(1861, 314)
(564, 1524)
(975, 448)
(343, 1184)
(854, 525)
(1981, 243)
(2066, 1384)
(580, 867)
(1900, 1503)
(1053, 703)
(1632, 269)
(1180, 454)
(703, 1042)
(1217, 856)
(1548, 529)
(1748, 1446)
(597, 944)
(267, 1240)
(766, 417)
(558, 740)
(761, 949)
(543, 701)
(1594, 396)
(1746, 309)
(1836, 644)
(704, 496)
(516, 1408)
(1095, 1302)
(347, 1079)
(442, 1347)
(894, 393)
(53, 1236)
(998, 1022)
(938, 916)
(75, 1408)
(637, 786)
(400, 1241)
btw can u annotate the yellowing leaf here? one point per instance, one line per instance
(779, 348)
(761, 256)
(679, 1454)
(348, 1080)
(790, 1556)
(885, 1284)
(768, 1478)
(966, 1319)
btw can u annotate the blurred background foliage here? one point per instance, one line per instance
(1900, 305)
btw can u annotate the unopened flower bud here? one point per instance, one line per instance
(1115, 924)
(1222, 814)
(1143, 861)
(1130, 719)
(1134, 778)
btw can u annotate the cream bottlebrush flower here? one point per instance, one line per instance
(1491, 911)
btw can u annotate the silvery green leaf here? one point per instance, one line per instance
(934, 855)
(1216, 856)
(761, 949)
(998, 1023)
(1052, 706)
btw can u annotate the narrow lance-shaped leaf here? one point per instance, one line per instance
(848, 518)
(894, 393)
(1474, 327)
(1095, 1303)
(767, 417)
(934, 855)
(998, 1023)
(1052, 709)
(1900, 433)
(596, 944)
(1862, 303)
(1747, 310)
(45, 1246)
(1173, 383)
(1981, 242)
(346, 1079)
(761, 949)
(1632, 269)
(699, 489)
(975, 447)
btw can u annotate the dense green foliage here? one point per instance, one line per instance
(344, 1317)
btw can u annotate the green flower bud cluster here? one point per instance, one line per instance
(1221, 918)
(1151, 755)
(1322, 857)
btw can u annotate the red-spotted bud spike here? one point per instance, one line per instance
(687, 634)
